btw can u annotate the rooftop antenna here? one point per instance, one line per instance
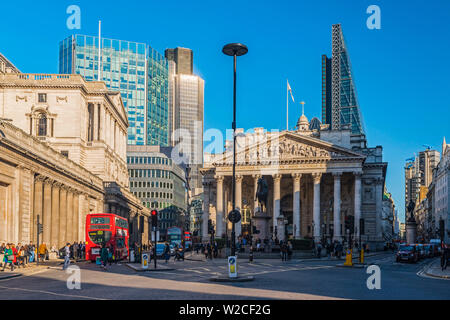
(303, 107)
(99, 49)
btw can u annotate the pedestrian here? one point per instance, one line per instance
(9, 257)
(444, 256)
(319, 250)
(339, 249)
(289, 250)
(31, 252)
(110, 253)
(283, 249)
(103, 256)
(205, 250)
(20, 256)
(216, 249)
(166, 252)
(42, 251)
(66, 256)
(209, 249)
(75, 250)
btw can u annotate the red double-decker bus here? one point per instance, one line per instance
(106, 228)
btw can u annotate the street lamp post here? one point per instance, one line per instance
(235, 50)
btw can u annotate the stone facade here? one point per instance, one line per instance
(314, 185)
(69, 123)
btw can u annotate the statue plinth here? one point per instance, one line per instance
(261, 221)
(411, 230)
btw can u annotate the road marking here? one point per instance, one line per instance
(51, 293)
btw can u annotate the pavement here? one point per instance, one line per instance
(434, 270)
(273, 279)
(32, 268)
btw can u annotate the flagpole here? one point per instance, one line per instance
(287, 104)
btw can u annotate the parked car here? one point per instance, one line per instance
(160, 250)
(420, 250)
(407, 252)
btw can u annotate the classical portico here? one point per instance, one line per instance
(313, 186)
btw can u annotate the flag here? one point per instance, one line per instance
(290, 91)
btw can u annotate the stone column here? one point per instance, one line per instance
(70, 230)
(256, 207)
(219, 206)
(55, 215)
(63, 216)
(38, 195)
(205, 216)
(276, 203)
(357, 204)
(47, 212)
(96, 124)
(379, 207)
(238, 226)
(337, 207)
(316, 207)
(296, 205)
(76, 217)
(3, 214)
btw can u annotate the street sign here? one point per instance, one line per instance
(234, 216)
(232, 267)
(144, 261)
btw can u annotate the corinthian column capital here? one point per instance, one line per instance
(276, 177)
(317, 176)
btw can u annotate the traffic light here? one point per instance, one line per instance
(351, 222)
(154, 214)
(141, 223)
(361, 226)
(40, 228)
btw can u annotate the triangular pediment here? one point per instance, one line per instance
(118, 103)
(287, 146)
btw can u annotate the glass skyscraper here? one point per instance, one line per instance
(139, 72)
(339, 100)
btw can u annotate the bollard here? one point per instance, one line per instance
(348, 258)
(250, 257)
(361, 256)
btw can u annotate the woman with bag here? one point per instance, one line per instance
(9, 258)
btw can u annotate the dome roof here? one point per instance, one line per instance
(302, 121)
(314, 124)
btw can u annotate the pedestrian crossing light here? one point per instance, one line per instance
(154, 215)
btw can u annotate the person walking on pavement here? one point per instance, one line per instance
(66, 256)
(166, 252)
(104, 256)
(289, 250)
(216, 249)
(209, 249)
(42, 251)
(319, 250)
(9, 257)
(75, 250)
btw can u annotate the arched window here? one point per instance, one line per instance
(42, 125)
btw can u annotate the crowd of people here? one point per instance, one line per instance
(21, 255)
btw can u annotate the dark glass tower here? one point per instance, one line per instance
(339, 99)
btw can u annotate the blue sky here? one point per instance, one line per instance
(401, 71)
